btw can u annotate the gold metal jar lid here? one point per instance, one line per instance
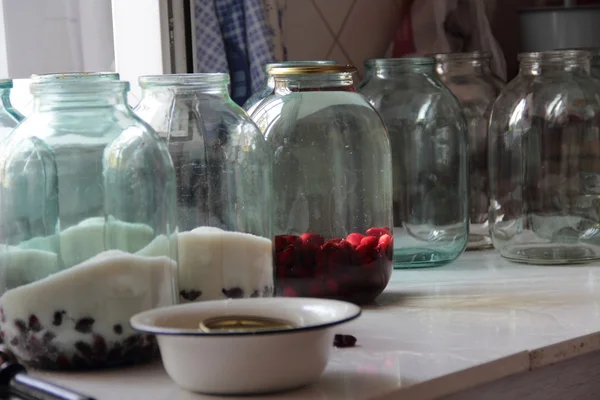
(243, 323)
(312, 69)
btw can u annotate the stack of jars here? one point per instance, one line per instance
(320, 191)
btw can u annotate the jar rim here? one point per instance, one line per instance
(462, 56)
(554, 55)
(79, 87)
(75, 77)
(192, 79)
(279, 64)
(312, 70)
(6, 83)
(594, 51)
(392, 62)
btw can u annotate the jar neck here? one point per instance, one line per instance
(463, 67)
(215, 84)
(221, 90)
(314, 82)
(552, 62)
(74, 100)
(398, 67)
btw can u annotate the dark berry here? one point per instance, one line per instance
(233, 293)
(99, 345)
(190, 295)
(267, 291)
(84, 348)
(255, 294)
(58, 317)
(84, 325)
(63, 362)
(34, 323)
(118, 329)
(114, 354)
(48, 337)
(132, 340)
(79, 362)
(21, 325)
(344, 341)
(14, 341)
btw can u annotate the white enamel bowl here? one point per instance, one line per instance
(246, 362)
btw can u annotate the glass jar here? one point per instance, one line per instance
(469, 77)
(595, 63)
(223, 170)
(268, 86)
(545, 161)
(428, 135)
(9, 116)
(332, 185)
(87, 190)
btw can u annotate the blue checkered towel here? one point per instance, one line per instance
(234, 36)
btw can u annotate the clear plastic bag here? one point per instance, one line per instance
(449, 26)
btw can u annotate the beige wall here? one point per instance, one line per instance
(348, 31)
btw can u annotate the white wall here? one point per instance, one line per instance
(44, 36)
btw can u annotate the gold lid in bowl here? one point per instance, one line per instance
(243, 323)
(312, 69)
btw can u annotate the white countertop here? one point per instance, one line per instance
(474, 321)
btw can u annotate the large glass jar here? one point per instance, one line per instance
(9, 117)
(332, 184)
(268, 86)
(545, 161)
(429, 154)
(87, 189)
(469, 77)
(223, 170)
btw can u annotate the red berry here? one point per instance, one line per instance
(378, 232)
(284, 241)
(280, 243)
(321, 263)
(285, 258)
(384, 242)
(369, 241)
(289, 291)
(332, 286)
(354, 239)
(308, 254)
(315, 289)
(313, 238)
(343, 256)
(330, 247)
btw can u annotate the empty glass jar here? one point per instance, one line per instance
(87, 215)
(545, 161)
(268, 86)
(332, 185)
(429, 154)
(469, 77)
(223, 170)
(9, 117)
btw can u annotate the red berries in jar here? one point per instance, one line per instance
(356, 268)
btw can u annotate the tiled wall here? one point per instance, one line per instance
(347, 31)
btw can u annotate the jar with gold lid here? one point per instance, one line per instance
(332, 185)
(268, 86)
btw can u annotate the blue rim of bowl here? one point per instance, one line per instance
(189, 332)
